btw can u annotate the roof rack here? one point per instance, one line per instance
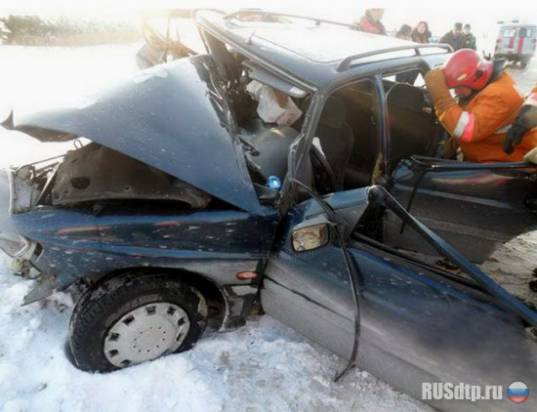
(260, 12)
(346, 63)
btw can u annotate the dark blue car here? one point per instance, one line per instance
(182, 210)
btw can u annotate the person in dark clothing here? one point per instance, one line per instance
(371, 22)
(404, 32)
(469, 38)
(455, 37)
(421, 33)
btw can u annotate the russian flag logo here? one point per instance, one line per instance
(518, 392)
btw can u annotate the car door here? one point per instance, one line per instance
(475, 207)
(417, 324)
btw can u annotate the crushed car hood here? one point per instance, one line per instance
(170, 117)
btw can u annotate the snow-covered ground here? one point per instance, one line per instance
(263, 366)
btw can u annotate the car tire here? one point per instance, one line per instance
(100, 338)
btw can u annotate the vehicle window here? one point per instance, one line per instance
(526, 32)
(420, 81)
(347, 137)
(509, 32)
(413, 77)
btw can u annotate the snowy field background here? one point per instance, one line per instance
(262, 366)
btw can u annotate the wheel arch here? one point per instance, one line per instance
(217, 299)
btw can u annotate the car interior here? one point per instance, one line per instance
(348, 135)
(348, 130)
(414, 129)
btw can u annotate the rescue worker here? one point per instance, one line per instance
(371, 22)
(524, 123)
(454, 37)
(488, 104)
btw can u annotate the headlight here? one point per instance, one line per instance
(14, 245)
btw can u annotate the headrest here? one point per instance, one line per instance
(405, 95)
(334, 113)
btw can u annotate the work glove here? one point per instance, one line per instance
(525, 121)
(436, 85)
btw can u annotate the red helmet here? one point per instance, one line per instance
(465, 68)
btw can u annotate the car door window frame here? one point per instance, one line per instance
(422, 69)
(312, 117)
(311, 122)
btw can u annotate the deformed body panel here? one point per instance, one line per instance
(474, 208)
(416, 324)
(76, 243)
(172, 117)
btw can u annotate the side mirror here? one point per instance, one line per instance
(311, 234)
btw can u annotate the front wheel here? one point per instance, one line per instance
(135, 318)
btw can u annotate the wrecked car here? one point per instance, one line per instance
(182, 210)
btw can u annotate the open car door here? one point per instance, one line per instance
(474, 206)
(417, 323)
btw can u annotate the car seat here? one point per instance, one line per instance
(412, 130)
(336, 137)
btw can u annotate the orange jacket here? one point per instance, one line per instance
(481, 124)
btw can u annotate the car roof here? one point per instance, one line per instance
(309, 50)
